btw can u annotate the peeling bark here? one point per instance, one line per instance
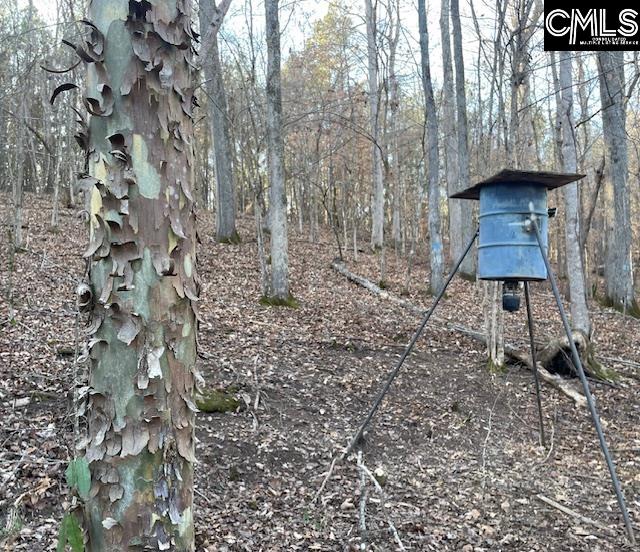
(142, 347)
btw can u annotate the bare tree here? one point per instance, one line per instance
(394, 104)
(618, 269)
(575, 267)
(377, 200)
(275, 145)
(466, 209)
(19, 180)
(435, 238)
(457, 209)
(211, 17)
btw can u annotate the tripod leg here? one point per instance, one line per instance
(392, 375)
(534, 363)
(585, 386)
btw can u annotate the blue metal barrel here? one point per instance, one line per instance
(506, 250)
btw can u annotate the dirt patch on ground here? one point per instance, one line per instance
(459, 446)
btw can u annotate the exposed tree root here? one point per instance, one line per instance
(556, 356)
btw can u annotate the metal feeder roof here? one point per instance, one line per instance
(547, 180)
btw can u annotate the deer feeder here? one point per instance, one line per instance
(513, 245)
(507, 246)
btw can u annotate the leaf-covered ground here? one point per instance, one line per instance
(458, 446)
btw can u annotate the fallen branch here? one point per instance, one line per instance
(324, 481)
(513, 352)
(575, 514)
(375, 289)
(383, 498)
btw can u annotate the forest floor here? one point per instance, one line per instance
(458, 445)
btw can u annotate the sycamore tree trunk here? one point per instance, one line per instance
(140, 443)
(275, 145)
(435, 237)
(575, 266)
(618, 270)
(225, 201)
(377, 198)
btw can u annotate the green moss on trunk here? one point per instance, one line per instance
(495, 368)
(632, 310)
(290, 302)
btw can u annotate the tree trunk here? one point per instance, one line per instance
(140, 445)
(394, 104)
(55, 208)
(377, 200)
(71, 159)
(493, 315)
(618, 265)
(575, 268)
(18, 181)
(275, 146)
(210, 21)
(522, 154)
(452, 172)
(468, 267)
(435, 237)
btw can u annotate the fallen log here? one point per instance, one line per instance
(522, 357)
(375, 289)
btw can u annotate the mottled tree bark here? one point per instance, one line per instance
(618, 270)
(467, 226)
(575, 267)
(377, 198)
(140, 444)
(275, 146)
(433, 193)
(225, 200)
